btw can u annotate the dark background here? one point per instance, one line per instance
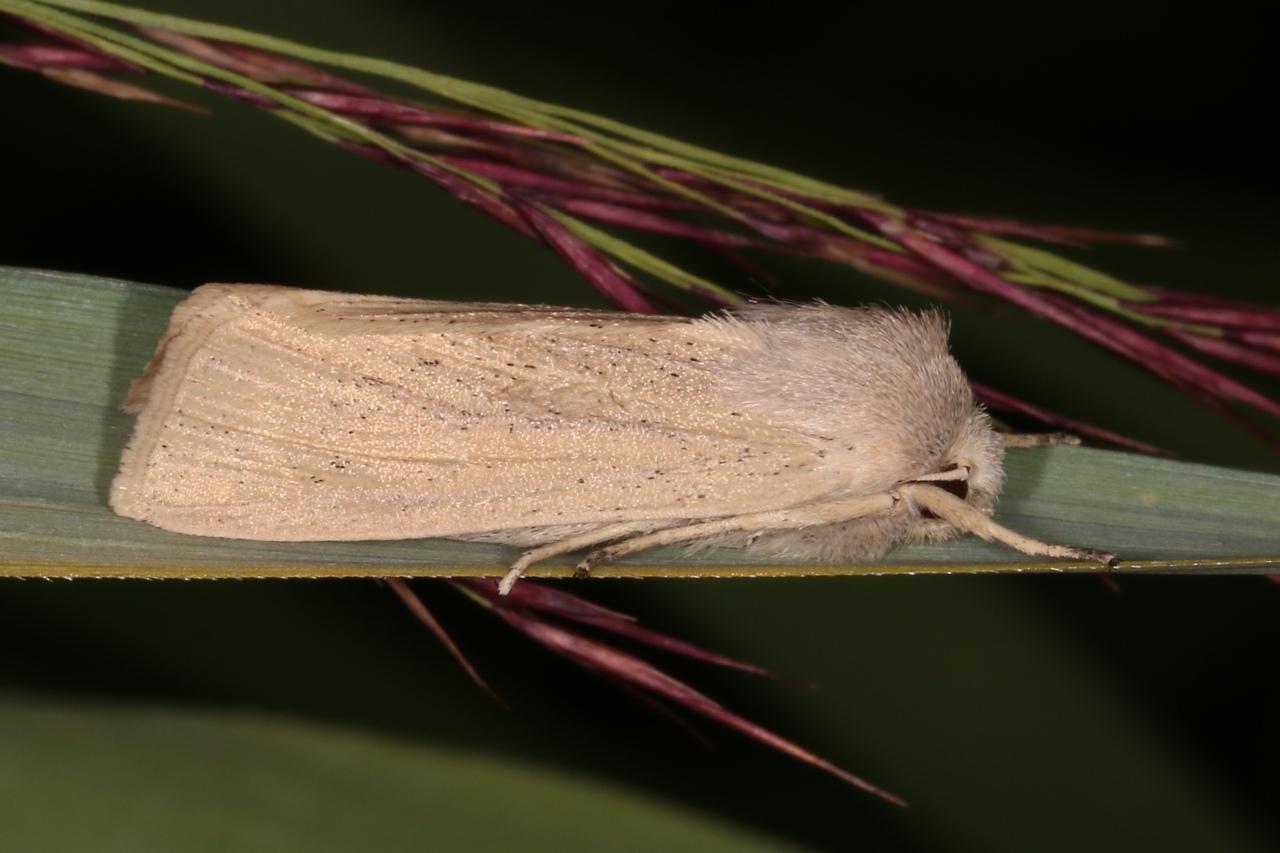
(1016, 713)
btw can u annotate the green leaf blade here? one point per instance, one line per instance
(70, 346)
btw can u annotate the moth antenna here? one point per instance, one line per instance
(1038, 439)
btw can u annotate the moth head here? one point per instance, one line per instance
(972, 468)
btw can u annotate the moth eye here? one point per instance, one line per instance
(958, 486)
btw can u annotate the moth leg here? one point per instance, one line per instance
(957, 512)
(809, 515)
(564, 546)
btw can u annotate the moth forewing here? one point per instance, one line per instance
(290, 415)
(279, 414)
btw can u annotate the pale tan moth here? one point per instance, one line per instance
(801, 431)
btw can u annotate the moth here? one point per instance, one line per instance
(807, 432)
